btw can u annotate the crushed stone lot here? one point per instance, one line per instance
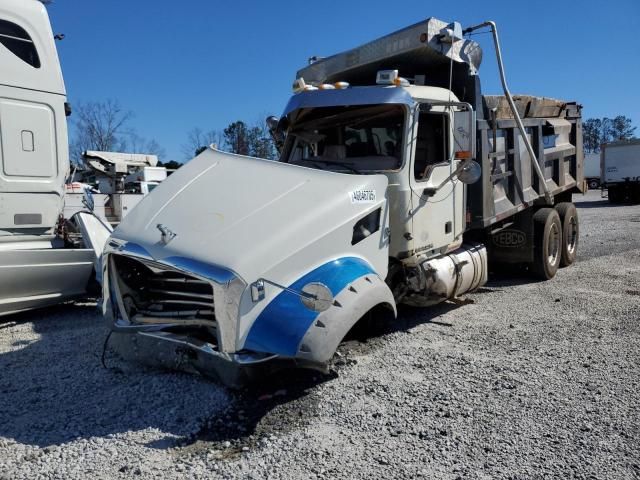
(529, 380)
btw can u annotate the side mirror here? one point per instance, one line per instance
(467, 172)
(276, 131)
(464, 124)
(470, 172)
(272, 123)
(87, 200)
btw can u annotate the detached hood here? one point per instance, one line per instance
(248, 215)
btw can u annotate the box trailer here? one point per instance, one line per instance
(398, 182)
(620, 170)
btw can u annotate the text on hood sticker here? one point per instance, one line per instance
(363, 195)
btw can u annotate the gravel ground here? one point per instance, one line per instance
(531, 379)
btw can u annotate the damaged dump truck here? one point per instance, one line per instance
(398, 182)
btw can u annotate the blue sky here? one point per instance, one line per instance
(202, 63)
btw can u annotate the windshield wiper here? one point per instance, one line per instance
(346, 165)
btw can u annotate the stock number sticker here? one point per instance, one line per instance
(363, 195)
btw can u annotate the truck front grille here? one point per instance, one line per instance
(154, 294)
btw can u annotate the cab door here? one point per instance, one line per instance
(437, 200)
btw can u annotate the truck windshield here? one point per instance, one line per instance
(347, 139)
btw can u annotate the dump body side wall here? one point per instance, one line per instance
(509, 183)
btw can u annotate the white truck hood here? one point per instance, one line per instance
(248, 215)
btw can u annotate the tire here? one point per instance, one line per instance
(570, 232)
(547, 243)
(593, 184)
(614, 195)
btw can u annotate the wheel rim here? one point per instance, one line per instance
(553, 249)
(572, 234)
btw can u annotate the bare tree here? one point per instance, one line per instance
(198, 140)
(138, 144)
(99, 126)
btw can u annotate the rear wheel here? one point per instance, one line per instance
(614, 195)
(570, 232)
(547, 243)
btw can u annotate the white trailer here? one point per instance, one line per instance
(44, 259)
(592, 170)
(389, 190)
(620, 170)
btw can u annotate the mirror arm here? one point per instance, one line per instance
(431, 191)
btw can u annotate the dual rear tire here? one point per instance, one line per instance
(555, 239)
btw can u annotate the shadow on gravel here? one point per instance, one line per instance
(273, 405)
(285, 399)
(53, 388)
(595, 204)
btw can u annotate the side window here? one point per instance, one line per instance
(17, 41)
(432, 143)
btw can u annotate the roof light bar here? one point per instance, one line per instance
(390, 77)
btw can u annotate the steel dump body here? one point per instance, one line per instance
(508, 183)
(413, 51)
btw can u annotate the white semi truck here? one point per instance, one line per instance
(620, 170)
(398, 182)
(44, 258)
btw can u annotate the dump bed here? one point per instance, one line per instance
(509, 183)
(425, 53)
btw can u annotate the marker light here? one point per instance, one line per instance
(386, 77)
(299, 85)
(310, 88)
(327, 86)
(463, 155)
(341, 85)
(401, 82)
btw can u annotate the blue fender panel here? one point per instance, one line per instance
(281, 326)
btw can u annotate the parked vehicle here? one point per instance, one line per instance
(44, 258)
(145, 180)
(377, 200)
(620, 170)
(121, 181)
(592, 170)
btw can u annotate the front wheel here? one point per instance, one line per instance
(593, 184)
(570, 232)
(547, 243)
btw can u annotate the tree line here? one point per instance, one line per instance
(239, 137)
(596, 131)
(105, 126)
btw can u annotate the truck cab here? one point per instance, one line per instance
(34, 162)
(404, 133)
(43, 258)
